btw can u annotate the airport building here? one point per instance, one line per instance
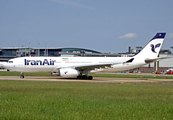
(7, 53)
(13, 52)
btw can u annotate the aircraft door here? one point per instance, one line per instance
(20, 63)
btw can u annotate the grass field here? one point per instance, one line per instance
(89, 101)
(5, 73)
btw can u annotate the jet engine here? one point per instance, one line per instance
(68, 72)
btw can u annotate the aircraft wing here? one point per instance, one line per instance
(93, 66)
(100, 65)
(89, 66)
(156, 59)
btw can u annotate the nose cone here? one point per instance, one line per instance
(1, 65)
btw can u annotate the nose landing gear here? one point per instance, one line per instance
(21, 75)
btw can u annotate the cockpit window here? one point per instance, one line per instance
(10, 61)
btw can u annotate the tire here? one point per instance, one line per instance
(21, 76)
(90, 77)
(84, 77)
(79, 77)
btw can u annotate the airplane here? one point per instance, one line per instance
(68, 67)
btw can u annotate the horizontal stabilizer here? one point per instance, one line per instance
(154, 60)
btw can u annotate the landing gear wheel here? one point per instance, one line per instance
(22, 76)
(79, 77)
(84, 77)
(90, 77)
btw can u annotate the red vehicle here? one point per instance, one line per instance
(169, 72)
(158, 72)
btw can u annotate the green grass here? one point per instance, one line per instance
(5, 73)
(91, 101)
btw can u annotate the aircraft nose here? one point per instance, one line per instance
(1, 65)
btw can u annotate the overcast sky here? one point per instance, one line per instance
(101, 25)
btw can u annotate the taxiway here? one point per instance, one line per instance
(95, 80)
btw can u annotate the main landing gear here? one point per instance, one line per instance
(85, 77)
(21, 75)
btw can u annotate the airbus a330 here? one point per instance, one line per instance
(80, 66)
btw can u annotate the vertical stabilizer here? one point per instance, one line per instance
(152, 49)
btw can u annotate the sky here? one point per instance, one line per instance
(101, 25)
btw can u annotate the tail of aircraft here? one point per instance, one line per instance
(152, 49)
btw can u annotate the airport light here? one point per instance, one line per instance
(38, 49)
(25, 47)
(29, 49)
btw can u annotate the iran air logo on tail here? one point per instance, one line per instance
(153, 48)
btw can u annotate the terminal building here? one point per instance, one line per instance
(7, 53)
(13, 52)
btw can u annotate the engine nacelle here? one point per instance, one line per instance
(68, 72)
(54, 74)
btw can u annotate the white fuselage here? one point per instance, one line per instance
(51, 64)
